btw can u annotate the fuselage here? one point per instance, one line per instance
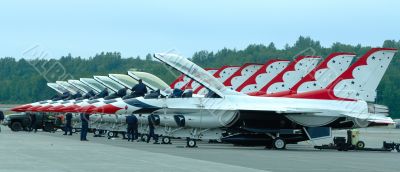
(231, 109)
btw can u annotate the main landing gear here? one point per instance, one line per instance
(278, 143)
(191, 143)
(166, 140)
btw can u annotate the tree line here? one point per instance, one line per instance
(24, 80)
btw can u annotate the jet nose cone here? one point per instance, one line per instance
(108, 109)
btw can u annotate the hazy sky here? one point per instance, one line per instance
(87, 27)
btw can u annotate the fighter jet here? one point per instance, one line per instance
(66, 92)
(280, 120)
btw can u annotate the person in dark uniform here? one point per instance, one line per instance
(139, 89)
(77, 95)
(151, 131)
(68, 124)
(1, 118)
(102, 94)
(32, 125)
(88, 95)
(85, 126)
(122, 92)
(132, 129)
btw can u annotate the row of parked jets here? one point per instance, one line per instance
(273, 104)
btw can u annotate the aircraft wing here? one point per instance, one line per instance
(377, 118)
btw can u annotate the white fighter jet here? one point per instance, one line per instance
(281, 119)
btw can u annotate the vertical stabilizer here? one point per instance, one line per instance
(241, 75)
(292, 74)
(359, 81)
(263, 75)
(320, 77)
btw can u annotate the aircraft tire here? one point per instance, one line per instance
(279, 143)
(166, 140)
(191, 143)
(111, 134)
(360, 145)
(96, 133)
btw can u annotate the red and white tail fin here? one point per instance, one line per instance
(292, 74)
(263, 75)
(319, 78)
(359, 81)
(331, 68)
(222, 74)
(241, 75)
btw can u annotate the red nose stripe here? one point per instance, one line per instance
(21, 108)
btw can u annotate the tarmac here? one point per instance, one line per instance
(23, 151)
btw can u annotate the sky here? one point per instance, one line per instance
(86, 27)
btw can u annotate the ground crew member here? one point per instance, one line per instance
(122, 92)
(32, 125)
(77, 95)
(132, 130)
(68, 124)
(103, 93)
(151, 131)
(88, 95)
(139, 89)
(85, 126)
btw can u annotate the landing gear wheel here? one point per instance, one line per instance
(96, 133)
(166, 140)
(111, 134)
(191, 143)
(74, 130)
(398, 148)
(279, 143)
(144, 137)
(360, 145)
